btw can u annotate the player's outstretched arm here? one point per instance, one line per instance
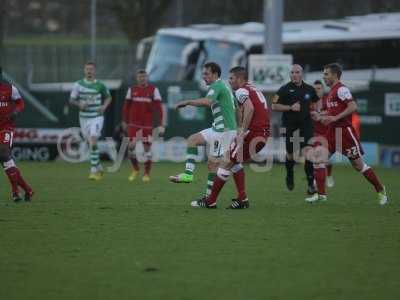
(195, 102)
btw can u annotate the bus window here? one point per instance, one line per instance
(167, 61)
(226, 54)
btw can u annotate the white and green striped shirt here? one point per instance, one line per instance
(93, 93)
(222, 107)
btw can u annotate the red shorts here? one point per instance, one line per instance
(319, 139)
(139, 133)
(344, 140)
(253, 143)
(6, 137)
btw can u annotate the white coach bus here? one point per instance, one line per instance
(368, 47)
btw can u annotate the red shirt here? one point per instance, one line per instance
(338, 98)
(260, 120)
(10, 101)
(319, 128)
(140, 104)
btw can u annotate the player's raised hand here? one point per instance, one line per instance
(295, 107)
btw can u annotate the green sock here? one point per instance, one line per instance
(191, 155)
(94, 157)
(210, 182)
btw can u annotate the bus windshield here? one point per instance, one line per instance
(226, 54)
(166, 61)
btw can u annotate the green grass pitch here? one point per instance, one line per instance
(119, 240)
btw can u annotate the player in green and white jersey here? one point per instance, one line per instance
(92, 98)
(218, 137)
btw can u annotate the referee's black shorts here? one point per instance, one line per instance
(305, 134)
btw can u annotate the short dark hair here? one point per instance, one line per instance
(141, 71)
(240, 72)
(318, 82)
(214, 67)
(335, 68)
(90, 63)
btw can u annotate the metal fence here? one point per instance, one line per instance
(64, 63)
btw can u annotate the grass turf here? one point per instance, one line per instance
(119, 240)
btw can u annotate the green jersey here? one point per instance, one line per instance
(92, 93)
(223, 106)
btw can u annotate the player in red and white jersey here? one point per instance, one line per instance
(319, 128)
(253, 132)
(320, 107)
(142, 102)
(11, 104)
(340, 106)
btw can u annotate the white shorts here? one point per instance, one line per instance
(91, 127)
(218, 142)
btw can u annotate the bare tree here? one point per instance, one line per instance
(140, 18)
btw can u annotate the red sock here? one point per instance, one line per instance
(216, 189)
(135, 163)
(329, 169)
(320, 177)
(239, 178)
(22, 183)
(13, 174)
(369, 174)
(147, 166)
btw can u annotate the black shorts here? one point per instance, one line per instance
(305, 134)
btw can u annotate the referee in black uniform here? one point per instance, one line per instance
(294, 99)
